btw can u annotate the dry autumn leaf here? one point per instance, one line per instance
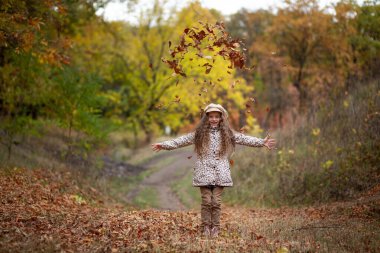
(177, 99)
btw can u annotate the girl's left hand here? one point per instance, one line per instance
(269, 143)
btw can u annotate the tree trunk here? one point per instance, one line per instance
(148, 133)
(302, 91)
(148, 137)
(266, 122)
(302, 96)
(135, 135)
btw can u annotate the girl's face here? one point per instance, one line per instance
(214, 118)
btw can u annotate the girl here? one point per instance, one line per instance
(213, 142)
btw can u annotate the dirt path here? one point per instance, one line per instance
(170, 167)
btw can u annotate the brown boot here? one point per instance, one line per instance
(214, 233)
(206, 231)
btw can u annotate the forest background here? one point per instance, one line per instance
(82, 99)
(76, 89)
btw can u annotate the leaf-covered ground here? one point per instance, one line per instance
(45, 211)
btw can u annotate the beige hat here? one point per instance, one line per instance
(215, 108)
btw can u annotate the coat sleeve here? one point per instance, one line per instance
(248, 140)
(179, 142)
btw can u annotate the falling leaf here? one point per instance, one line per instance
(177, 99)
(159, 106)
(232, 162)
(251, 68)
(44, 42)
(189, 157)
(234, 83)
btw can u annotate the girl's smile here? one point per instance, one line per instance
(214, 118)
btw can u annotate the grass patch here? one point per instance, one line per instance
(147, 197)
(333, 155)
(118, 188)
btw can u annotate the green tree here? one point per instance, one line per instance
(34, 45)
(76, 99)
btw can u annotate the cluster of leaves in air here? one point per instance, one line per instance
(207, 42)
(218, 42)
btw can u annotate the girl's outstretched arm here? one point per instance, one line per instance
(178, 142)
(251, 141)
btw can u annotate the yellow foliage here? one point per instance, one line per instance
(316, 131)
(345, 103)
(283, 249)
(328, 164)
(78, 199)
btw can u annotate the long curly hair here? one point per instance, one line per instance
(202, 136)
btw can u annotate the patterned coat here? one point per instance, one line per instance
(211, 169)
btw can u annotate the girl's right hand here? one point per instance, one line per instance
(269, 143)
(156, 147)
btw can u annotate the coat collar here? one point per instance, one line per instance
(214, 129)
